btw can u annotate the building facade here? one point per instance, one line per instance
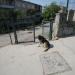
(20, 6)
(7, 3)
(26, 14)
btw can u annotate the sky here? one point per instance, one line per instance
(60, 2)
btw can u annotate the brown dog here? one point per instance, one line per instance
(44, 42)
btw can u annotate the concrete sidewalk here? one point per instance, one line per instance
(32, 60)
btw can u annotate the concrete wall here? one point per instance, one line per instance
(74, 17)
(62, 27)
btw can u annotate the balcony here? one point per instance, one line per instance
(7, 5)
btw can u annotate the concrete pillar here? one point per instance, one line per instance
(56, 26)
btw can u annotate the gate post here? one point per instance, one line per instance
(14, 29)
(42, 27)
(9, 32)
(50, 29)
(33, 25)
(34, 31)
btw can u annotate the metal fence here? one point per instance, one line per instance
(47, 27)
(20, 33)
(4, 38)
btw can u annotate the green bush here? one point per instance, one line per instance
(50, 11)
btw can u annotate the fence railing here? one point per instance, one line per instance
(24, 32)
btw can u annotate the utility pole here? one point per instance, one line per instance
(67, 4)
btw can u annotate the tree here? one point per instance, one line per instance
(50, 11)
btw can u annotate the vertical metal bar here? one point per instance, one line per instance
(10, 38)
(14, 19)
(15, 35)
(42, 27)
(34, 31)
(9, 33)
(13, 25)
(50, 30)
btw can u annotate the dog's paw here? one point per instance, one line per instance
(39, 46)
(46, 50)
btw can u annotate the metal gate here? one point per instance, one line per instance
(6, 36)
(23, 35)
(47, 30)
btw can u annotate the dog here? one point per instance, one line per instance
(43, 42)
